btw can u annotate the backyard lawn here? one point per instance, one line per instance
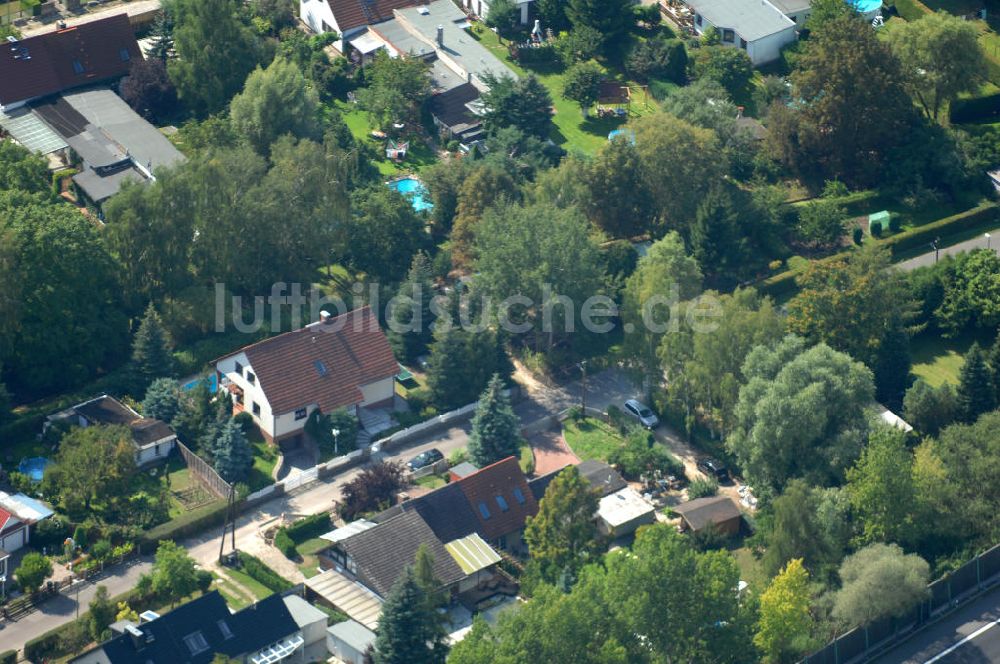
(308, 550)
(418, 157)
(939, 360)
(571, 130)
(590, 438)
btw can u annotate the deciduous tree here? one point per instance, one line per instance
(730, 67)
(108, 455)
(879, 581)
(102, 613)
(503, 17)
(382, 235)
(880, 485)
(611, 18)
(375, 488)
(397, 87)
(148, 89)
(174, 573)
(517, 102)
(275, 101)
(929, 409)
(582, 84)
(785, 621)
(411, 320)
(33, 571)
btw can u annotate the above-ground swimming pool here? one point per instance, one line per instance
(628, 134)
(415, 190)
(33, 468)
(867, 6)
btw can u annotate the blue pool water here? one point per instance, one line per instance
(33, 468)
(866, 6)
(415, 190)
(627, 133)
(213, 383)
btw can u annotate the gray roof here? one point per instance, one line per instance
(702, 512)
(446, 511)
(302, 612)
(601, 476)
(30, 131)
(99, 189)
(751, 19)
(401, 39)
(353, 633)
(106, 110)
(459, 46)
(792, 6)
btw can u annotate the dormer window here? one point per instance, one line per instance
(124, 55)
(77, 67)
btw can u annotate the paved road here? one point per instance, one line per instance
(979, 242)
(541, 401)
(969, 636)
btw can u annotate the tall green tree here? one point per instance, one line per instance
(102, 613)
(33, 571)
(162, 400)
(993, 361)
(880, 486)
(718, 242)
(614, 175)
(423, 572)
(801, 414)
(20, 170)
(582, 84)
(563, 535)
(276, 100)
(161, 37)
(382, 235)
(151, 356)
(552, 14)
(877, 582)
(215, 52)
(612, 19)
(822, 222)
(930, 409)
(411, 320)
(396, 90)
(504, 17)
(232, 453)
(517, 102)
(785, 620)
(729, 67)
(108, 455)
(174, 575)
(807, 524)
(892, 366)
(976, 392)
(971, 293)
(942, 59)
(496, 430)
(410, 629)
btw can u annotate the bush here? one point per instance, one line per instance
(894, 223)
(245, 422)
(264, 575)
(700, 488)
(858, 235)
(204, 579)
(8, 657)
(875, 228)
(978, 217)
(51, 532)
(67, 639)
(284, 543)
(101, 550)
(541, 53)
(648, 14)
(190, 523)
(640, 455)
(309, 527)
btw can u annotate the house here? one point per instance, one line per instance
(338, 362)
(18, 513)
(622, 512)
(500, 501)
(364, 562)
(348, 641)
(275, 629)
(114, 144)
(797, 11)
(348, 18)
(718, 511)
(461, 470)
(5, 572)
(453, 114)
(54, 62)
(756, 26)
(153, 439)
(481, 8)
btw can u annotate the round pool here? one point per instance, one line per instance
(866, 7)
(414, 190)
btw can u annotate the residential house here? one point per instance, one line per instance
(5, 572)
(348, 18)
(797, 11)
(276, 629)
(481, 8)
(153, 439)
(114, 143)
(18, 513)
(54, 62)
(338, 362)
(719, 512)
(757, 26)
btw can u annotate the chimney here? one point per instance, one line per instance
(441, 36)
(325, 317)
(136, 636)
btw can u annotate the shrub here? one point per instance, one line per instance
(858, 235)
(51, 532)
(101, 550)
(245, 422)
(649, 14)
(309, 527)
(264, 575)
(876, 228)
(8, 657)
(980, 216)
(894, 223)
(284, 543)
(700, 488)
(204, 578)
(80, 536)
(640, 455)
(190, 523)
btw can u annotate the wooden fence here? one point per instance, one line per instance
(203, 472)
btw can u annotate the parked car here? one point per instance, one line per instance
(642, 413)
(424, 459)
(713, 468)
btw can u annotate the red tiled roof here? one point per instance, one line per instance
(351, 14)
(5, 516)
(322, 363)
(499, 479)
(48, 67)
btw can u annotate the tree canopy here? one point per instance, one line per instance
(879, 581)
(496, 430)
(275, 101)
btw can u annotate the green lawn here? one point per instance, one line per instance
(939, 360)
(308, 551)
(418, 157)
(430, 482)
(265, 458)
(571, 130)
(591, 439)
(259, 590)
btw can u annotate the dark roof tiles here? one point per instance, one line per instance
(505, 479)
(352, 14)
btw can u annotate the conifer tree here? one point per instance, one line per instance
(976, 392)
(162, 401)
(409, 631)
(151, 356)
(495, 428)
(410, 330)
(232, 453)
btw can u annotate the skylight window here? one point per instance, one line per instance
(502, 502)
(518, 496)
(196, 643)
(224, 628)
(484, 510)
(77, 67)
(320, 367)
(123, 54)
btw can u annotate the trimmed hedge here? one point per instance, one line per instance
(190, 523)
(975, 109)
(309, 527)
(263, 574)
(8, 657)
(284, 543)
(981, 215)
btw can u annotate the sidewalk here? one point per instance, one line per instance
(979, 242)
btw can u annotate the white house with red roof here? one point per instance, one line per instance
(338, 362)
(18, 513)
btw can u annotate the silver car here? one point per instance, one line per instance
(642, 413)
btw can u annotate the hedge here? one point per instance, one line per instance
(8, 657)
(975, 109)
(263, 574)
(185, 525)
(981, 215)
(284, 543)
(309, 527)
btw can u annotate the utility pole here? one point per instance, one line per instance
(934, 246)
(230, 522)
(583, 391)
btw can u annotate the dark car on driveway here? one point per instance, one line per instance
(714, 469)
(425, 459)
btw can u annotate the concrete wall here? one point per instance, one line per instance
(378, 391)
(769, 48)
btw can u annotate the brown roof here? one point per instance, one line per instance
(325, 363)
(351, 14)
(505, 480)
(105, 410)
(45, 64)
(383, 552)
(702, 512)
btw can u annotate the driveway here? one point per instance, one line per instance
(551, 452)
